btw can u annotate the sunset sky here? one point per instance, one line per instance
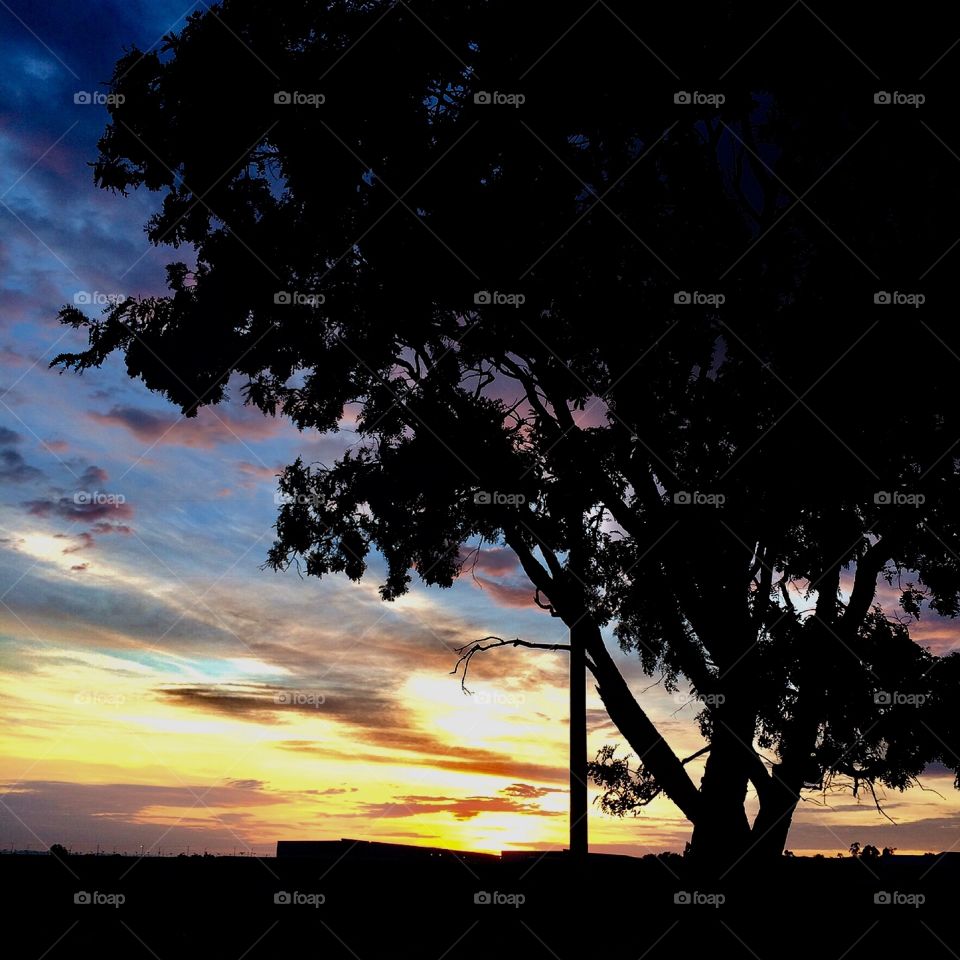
(159, 687)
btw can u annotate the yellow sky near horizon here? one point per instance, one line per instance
(104, 750)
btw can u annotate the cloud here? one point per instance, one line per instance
(86, 541)
(823, 832)
(271, 704)
(114, 813)
(84, 615)
(461, 808)
(938, 770)
(517, 592)
(255, 472)
(375, 720)
(247, 784)
(598, 720)
(93, 476)
(472, 760)
(528, 791)
(253, 703)
(515, 595)
(102, 526)
(498, 562)
(66, 508)
(208, 429)
(15, 469)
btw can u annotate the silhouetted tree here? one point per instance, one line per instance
(521, 302)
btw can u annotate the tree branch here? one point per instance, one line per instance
(479, 646)
(869, 567)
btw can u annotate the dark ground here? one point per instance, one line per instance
(225, 907)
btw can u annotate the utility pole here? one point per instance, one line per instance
(579, 836)
(576, 566)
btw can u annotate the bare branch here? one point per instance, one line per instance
(876, 801)
(469, 650)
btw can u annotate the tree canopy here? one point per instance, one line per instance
(585, 308)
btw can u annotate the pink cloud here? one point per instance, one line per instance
(208, 429)
(508, 595)
(498, 562)
(253, 474)
(93, 475)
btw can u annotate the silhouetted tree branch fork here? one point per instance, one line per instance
(725, 470)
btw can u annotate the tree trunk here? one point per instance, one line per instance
(772, 823)
(644, 738)
(721, 836)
